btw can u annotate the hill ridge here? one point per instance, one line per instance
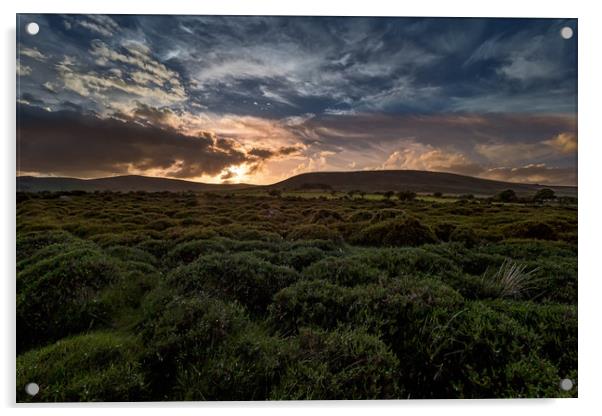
(367, 181)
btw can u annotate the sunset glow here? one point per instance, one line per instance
(186, 98)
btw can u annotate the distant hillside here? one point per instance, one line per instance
(117, 183)
(368, 181)
(413, 180)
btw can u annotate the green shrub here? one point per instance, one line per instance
(398, 232)
(126, 254)
(188, 251)
(556, 328)
(530, 229)
(300, 257)
(100, 366)
(313, 232)
(325, 216)
(388, 308)
(240, 232)
(29, 243)
(346, 271)
(246, 367)
(201, 348)
(386, 214)
(346, 364)
(60, 296)
(464, 235)
(444, 230)
(239, 276)
(408, 261)
(360, 215)
(181, 332)
(478, 353)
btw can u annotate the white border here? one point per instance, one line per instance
(590, 70)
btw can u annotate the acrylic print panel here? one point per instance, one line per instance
(268, 208)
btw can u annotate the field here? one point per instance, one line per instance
(249, 296)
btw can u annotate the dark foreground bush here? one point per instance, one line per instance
(530, 229)
(479, 353)
(344, 271)
(397, 232)
(314, 232)
(240, 276)
(389, 308)
(188, 251)
(204, 349)
(464, 235)
(100, 366)
(29, 243)
(60, 296)
(556, 328)
(300, 257)
(346, 364)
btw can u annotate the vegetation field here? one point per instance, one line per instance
(233, 296)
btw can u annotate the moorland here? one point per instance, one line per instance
(265, 294)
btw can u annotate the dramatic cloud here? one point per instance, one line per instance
(97, 24)
(23, 70)
(534, 173)
(564, 142)
(33, 53)
(420, 157)
(257, 99)
(64, 143)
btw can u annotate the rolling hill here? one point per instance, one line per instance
(413, 180)
(117, 183)
(368, 181)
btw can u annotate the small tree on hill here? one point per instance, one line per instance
(388, 194)
(544, 194)
(275, 192)
(406, 195)
(507, 196)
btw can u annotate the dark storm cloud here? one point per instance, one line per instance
(70, 143)
(200, 94)
(464, 131)
(279, 66)
(270, 153)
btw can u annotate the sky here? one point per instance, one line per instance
(232, 99)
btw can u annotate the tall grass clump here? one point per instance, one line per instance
(511, 280)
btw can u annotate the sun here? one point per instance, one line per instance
(239, 173)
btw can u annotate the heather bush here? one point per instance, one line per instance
(405, 232)
(100, 366)
(240, 276)
(344, 364)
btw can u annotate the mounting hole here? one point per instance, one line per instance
(566, 32)
(566, 384)
(32, 389)
(32, 28)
